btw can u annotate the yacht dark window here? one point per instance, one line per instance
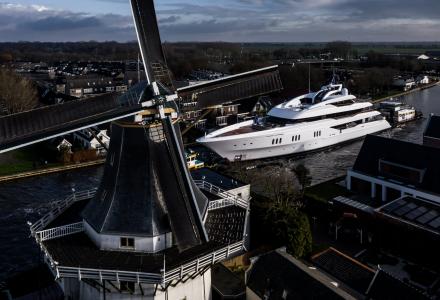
(319, 97)
(343, 103)
(307, 101)
(273, 141)
(281, 140)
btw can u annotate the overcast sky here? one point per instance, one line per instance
(225, 20)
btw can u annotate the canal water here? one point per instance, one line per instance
(29, 199)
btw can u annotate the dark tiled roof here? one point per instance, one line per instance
(226, 225)
(344, 268)
(222, 181)
(387, 287)
(226, 283)
(433, 127)
(403, 153)
(276, 273)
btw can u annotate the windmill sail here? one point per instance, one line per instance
(150, 44)
(233, 88)
(23, 129)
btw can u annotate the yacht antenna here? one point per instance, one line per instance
(309, 78)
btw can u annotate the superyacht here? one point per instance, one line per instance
(309, 122)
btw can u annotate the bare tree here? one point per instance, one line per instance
(17, 94)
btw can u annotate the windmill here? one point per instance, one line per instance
(148, 229)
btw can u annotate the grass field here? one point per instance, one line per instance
(22, 160)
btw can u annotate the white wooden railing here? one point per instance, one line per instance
(60, 207)
(58, 232)
(227, 198)
(150, 278)
(196, 265)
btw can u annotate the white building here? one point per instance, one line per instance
(423, 57)
(423, 79)
(388, 169)
(405, 83)
(90, 141)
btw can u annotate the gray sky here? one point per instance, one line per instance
(225, 20)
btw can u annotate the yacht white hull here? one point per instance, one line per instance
(288, 140)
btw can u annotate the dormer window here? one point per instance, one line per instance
(401, 172)
(127, 243)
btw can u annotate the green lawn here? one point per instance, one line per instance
(22, 160)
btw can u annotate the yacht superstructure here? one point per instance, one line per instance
(308, 122)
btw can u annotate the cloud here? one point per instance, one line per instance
(39, 23)
(234, 20)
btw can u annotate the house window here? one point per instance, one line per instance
(127, 242)
(401, 172)
(128, 287)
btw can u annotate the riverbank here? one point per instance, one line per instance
(382, 99)
(50, 170)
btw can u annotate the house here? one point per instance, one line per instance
(431, 135)
(88, 139)
(406, 83)
(423, 57)
(388, 169)
(61, 145)
(278, 275)
(367, 282)
(92, 85)
(422, 79)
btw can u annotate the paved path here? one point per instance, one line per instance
(50, 170)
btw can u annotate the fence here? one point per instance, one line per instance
(60, 207)
(58, 232)
(227, 199)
